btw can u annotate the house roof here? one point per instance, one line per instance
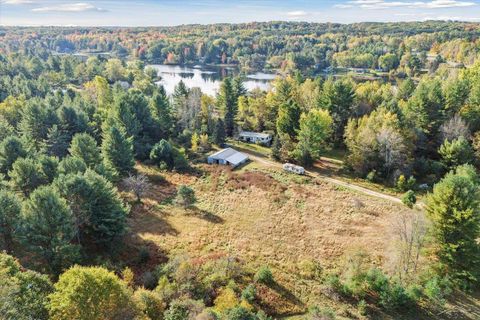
(230, 155)
(254, 134)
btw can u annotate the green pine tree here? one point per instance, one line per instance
(454, 209)
(117, 150)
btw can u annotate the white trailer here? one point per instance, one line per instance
(293, 168)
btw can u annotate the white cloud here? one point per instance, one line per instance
(298, 13)
(17, 1)
(70, 7)
(383, 4)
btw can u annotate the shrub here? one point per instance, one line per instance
(409, 199)
(186, 196)
(143, 255)
(162, 154)
(393, 297)
(249, 293)
(239, 313)
(149, 303)
(402, 183)
(310, 269)
(226, 300)
(371, 176)
(264, 275)
(436, 289)
(362, 307)
(168, 157)
(411, 182)
(149, 280)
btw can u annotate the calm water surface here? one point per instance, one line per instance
(208, 79)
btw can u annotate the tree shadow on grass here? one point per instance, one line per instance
(204, 215)
(284, 292)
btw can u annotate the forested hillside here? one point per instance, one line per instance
(103, 173)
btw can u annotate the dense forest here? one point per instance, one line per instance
(73, 130)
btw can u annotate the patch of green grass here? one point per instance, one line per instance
(262, 150)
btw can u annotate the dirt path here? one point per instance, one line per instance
(265, 161)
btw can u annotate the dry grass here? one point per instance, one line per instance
(262, 217)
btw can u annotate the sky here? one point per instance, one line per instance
(177, 12)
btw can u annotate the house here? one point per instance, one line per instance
(255, 137)
(228, 156)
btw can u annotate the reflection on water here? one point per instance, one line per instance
(208, 79)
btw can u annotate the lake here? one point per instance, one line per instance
(207, 78)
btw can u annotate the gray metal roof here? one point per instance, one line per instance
(230, 155)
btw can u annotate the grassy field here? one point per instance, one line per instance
(264, 217)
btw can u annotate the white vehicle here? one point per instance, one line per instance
(293, 168)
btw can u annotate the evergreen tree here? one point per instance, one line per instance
(186, 196)
(85, 147)
(276, 148)
(56, 143)
(425, 109)
(288, 118)
(48, 167)
(72, 121)
(10, 150)
(37, 119)
(455, 153)
(219, 133)
(162, 114)
(338, 97)
(228, 103)
(26, 175)
(72, 165)
(100, 216)
(48, 229)
(117, 150)
(162, 154)
(6, 129)
(454, 210)
(9, 218)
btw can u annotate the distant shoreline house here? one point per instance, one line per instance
(255, 137)
(229, 157)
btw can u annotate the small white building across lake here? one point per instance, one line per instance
(228, 156)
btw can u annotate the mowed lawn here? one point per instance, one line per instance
(264, 217)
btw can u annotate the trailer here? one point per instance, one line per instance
(294, 168)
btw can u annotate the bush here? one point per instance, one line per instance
(394, 297)
(362, 307)
(149, 303)
(264, 275)
(143, 255)
(436, 289)
(372, 176)
(149, 280)
(186, 196)
(249, 293)
(409, 199)
(239, 313)
(403, 184)
(168, 157)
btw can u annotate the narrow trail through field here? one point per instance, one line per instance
(262, 159)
